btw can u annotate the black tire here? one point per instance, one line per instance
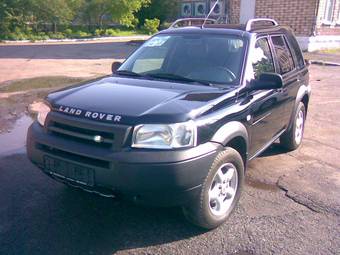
(287, 140)
(199, 212)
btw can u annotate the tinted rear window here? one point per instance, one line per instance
(284, 56)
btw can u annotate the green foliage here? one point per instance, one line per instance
(68, 32)
(161, 9)
(43, 19)
(122, 11)
(14, 14)
(56, 35)
(110, 32)
(55, 11)
(19, 35)
(99, 32)
(151, 25)
(81, 34)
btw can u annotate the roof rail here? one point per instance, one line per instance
(252, 21)
(190, 21)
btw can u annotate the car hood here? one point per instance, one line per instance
(136, 100)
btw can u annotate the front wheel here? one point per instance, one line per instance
(220, 192)
(292, 138)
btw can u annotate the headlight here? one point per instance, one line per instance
(42, 109)
(158, 136)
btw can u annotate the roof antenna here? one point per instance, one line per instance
(211, 11)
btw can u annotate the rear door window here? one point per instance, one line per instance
(296, 48)
(284, 56)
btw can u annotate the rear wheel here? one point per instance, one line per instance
(292, 138)
(220, 193)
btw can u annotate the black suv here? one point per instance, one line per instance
(177, 123)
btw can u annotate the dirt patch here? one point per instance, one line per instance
(38, 83)
(257, 184)
(15, 97)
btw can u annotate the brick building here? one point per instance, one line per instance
(315, 22)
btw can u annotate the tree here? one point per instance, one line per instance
(120, 11)
(55, 11)
(160, 9)
(14, 14)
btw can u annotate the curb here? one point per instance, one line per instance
(323, 63)
(111, 38)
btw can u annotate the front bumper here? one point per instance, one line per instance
(162, 178)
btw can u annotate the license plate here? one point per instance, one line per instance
(66, 170)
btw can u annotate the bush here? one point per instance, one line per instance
(99, 32)
(151, 25)
(41, 36)
(81, 34)
(111, 32)
(68, 32)
(57, 35)
(17, 35)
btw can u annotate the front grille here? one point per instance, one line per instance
(74, 157)
(81, 135)
(75, 140)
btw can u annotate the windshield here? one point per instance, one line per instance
(205, 58)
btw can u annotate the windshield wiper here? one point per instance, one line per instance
(128, 73)
(176, 77)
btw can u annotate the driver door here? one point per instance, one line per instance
(267, 104)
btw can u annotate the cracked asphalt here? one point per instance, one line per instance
(290, 204)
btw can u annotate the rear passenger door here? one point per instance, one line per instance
(286, 66)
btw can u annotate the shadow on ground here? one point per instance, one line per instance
(102, 50)
(41, 216)
(274, 149)
(51, 218)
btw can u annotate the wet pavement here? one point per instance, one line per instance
(290, 204)
(13, 141)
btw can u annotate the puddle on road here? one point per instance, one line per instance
(261, 185)
(14, 141)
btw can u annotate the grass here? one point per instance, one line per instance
(129, 33)
(71, 34)
(331, 51)
(39, 83)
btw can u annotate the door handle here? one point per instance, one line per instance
(282, 90)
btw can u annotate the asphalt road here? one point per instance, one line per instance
(290, 205)
(81, 59)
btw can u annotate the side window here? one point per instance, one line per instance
(297, 51)
(262, 59)
(284, 57)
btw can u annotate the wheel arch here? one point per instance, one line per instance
(303, 96)
(235, 135)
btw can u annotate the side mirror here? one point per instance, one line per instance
(115, 66)
(267, 81)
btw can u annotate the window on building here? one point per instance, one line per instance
(284, 56)
(329, 10)
(262, 59)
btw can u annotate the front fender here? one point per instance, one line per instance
(229, 131)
